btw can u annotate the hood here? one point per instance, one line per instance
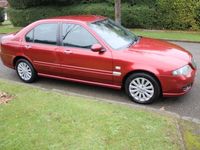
(161, 48)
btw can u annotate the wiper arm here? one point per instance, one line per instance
(133, 42)
(137, 38)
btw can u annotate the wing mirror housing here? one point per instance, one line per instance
(97, 48)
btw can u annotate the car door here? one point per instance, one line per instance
(41, 46)
(77, 59)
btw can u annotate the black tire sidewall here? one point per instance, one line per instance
(154, 82)
(34, 74)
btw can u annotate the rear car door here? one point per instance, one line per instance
(41, 46)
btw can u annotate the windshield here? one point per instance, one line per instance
(114, 35)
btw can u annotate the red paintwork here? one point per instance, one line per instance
(154, 56)
(86, 18)
(96, 48)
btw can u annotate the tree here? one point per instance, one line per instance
(2, 15)
(118, 11)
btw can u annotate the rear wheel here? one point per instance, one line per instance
(25, 71)
(142, 88)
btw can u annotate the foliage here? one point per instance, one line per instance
(149, 14)
(132, 2)
(2, 15)
(178, 15)
(24, 3)
(138, 16)
(19, 4)
(141, 15)
(197, 14)
(23, 17)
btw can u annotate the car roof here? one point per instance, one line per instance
(82, 18)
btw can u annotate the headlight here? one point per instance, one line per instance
(193, 63)
(186, 70)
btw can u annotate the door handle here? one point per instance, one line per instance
(27, 46)
(68, 52)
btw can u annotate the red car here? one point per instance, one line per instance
(95, 50)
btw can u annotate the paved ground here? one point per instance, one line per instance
(188, 105)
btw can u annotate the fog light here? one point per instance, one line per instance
(186, 88)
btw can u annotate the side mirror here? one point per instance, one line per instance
(97, 48)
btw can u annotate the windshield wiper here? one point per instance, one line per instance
(133, 41)
(136, 40)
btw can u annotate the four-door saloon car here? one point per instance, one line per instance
(95, 50)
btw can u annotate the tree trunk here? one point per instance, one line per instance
(118, 11)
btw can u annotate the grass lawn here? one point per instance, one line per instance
(170, 35)
(7, 27)
(191, 135)
(36, 119)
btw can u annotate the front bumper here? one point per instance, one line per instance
(177, 85)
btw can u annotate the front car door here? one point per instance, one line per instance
(77, 59)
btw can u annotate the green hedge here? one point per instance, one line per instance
(176, 14)
(23, 17)
(24, 3)
(21, 4)
(2, 15)
(197, 16)
(180, 14)
(140, 17)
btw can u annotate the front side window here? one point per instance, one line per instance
(29, 36)
(74, 35)
(114, 35)
(44, 33)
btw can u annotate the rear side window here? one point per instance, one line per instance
(74, 35)
(44, 33)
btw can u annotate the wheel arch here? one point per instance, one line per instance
(33, 76)
(20, 57)
(141, 71)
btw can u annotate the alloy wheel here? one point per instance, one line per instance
(141, 89)
(24, 71)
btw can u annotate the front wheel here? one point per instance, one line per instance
(25, 71)
(142, 88)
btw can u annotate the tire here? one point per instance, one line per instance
(25, 71)
(142, 88)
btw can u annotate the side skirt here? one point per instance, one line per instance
(81, 81)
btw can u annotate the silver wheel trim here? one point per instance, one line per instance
(141, 89)
(24, 71)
